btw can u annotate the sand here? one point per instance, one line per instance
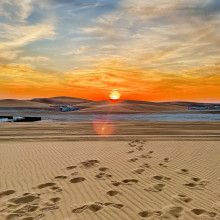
(88, 106)
(73, 131)
(110, 180)
(14, 103)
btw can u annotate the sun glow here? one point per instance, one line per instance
(114, 95)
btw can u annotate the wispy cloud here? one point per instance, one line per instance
(16, 37)
(35, 59)
(83, 49)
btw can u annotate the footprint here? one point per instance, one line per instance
(39, 216)
(147, 214)
(117, 206)
(103, 175)
(71, 167)
(133, 160)
(125, 181)
(103, 169)
(55, 199)
(198, 211)
(12, 216)
(145, 165)
(61, 177)
(29, 206)
(195, 179)
(116, 183)
(45, 185)
(166, 159)
(155, 187)
(128, 181)
(161, 178)
(134, 142)
(182, 198)
(28, 218)
(171, 211)
(203, 212)
(80, 209)
(190, 185)
(112, 192)
(25, 199)
(89, 163)
(77, 180)
(100, 175)
(182, 171)
(130, 152)
(95, 207)
(49, 208)
(25, 209)
(145, 156)
(140, 147)
(196, 183)
(138, 171)
(7, 193)
(56, 188)
(137, 143)
(162, 165)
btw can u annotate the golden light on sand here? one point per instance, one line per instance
(103, 126)
(115, 95)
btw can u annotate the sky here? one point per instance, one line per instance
(153, 50)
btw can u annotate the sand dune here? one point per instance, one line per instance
(106, 180)
(105, 106)
(62, 100)
(20, 103)
(128, 106)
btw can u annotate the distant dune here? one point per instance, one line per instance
(20, 103)
(60, 100)
(128, 106)
(190, 104)
(105, 106)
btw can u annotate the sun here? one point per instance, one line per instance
(115, 95)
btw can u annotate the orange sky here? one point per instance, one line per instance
(160, 50)
(21, 81)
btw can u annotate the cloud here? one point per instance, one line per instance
(81, 50)
(16, 37)
(25, 75)
(16, 10)
(9, 54)
(165, 35)
(17, 30)
(35, 59)
(109, 74)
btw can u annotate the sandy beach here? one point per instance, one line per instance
(108, 179)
